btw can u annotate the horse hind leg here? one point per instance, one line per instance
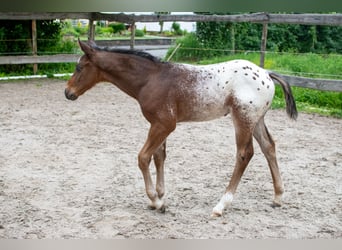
(267, 146)
(159, 158)
(245, 151)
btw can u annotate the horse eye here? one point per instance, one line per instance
(78, 68)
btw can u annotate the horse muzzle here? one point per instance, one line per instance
(70, 95)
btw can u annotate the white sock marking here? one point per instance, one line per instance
(226, 199)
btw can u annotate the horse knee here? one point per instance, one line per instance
(246, 154)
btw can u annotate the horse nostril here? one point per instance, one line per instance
(70, 96)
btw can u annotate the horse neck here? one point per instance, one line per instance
(128, 72)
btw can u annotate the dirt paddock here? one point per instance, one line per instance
(69, 170)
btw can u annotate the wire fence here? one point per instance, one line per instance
(257, 52)
(27, 49)
(27, 57)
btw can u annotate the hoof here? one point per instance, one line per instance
(150, 207)
(276, 204)
(216, 212)
(157, 205)
(162, 209)
(215, 215)
(277, 201)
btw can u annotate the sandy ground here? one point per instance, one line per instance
(69, 170)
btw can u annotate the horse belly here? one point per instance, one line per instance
(207, 112)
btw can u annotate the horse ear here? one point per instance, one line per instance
(88, 50)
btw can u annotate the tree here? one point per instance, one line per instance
(281, 37)
(161, 23)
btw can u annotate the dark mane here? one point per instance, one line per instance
(139, 53)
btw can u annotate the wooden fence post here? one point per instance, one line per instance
(263, 44)
(34, 44)
(233, 37)
(91, 30)
(131, 44)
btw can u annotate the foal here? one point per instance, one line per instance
(170, 93)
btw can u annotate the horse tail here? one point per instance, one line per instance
(291, 108)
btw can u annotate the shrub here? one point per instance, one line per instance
(214, 37)
(176, 29)
(68, 30)
(107, 31)
(117, 27)
(139, 33)
(81, 30)
(188, 51)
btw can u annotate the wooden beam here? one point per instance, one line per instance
(132, 41)
(233, 38)
(91, 30)
(61, 58)
(263, 45)
(129, 18)
(43, 15)
(314, 83)
(34, 44)
(307, 19)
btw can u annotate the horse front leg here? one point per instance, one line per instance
(245, 151)
(156, 137)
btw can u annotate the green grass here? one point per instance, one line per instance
(308, 65)
(326, 103)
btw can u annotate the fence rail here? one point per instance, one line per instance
(307, 19)
(313, 83)
(60, 58)
(264, 18)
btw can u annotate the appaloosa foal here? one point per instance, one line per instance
(169, 93)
